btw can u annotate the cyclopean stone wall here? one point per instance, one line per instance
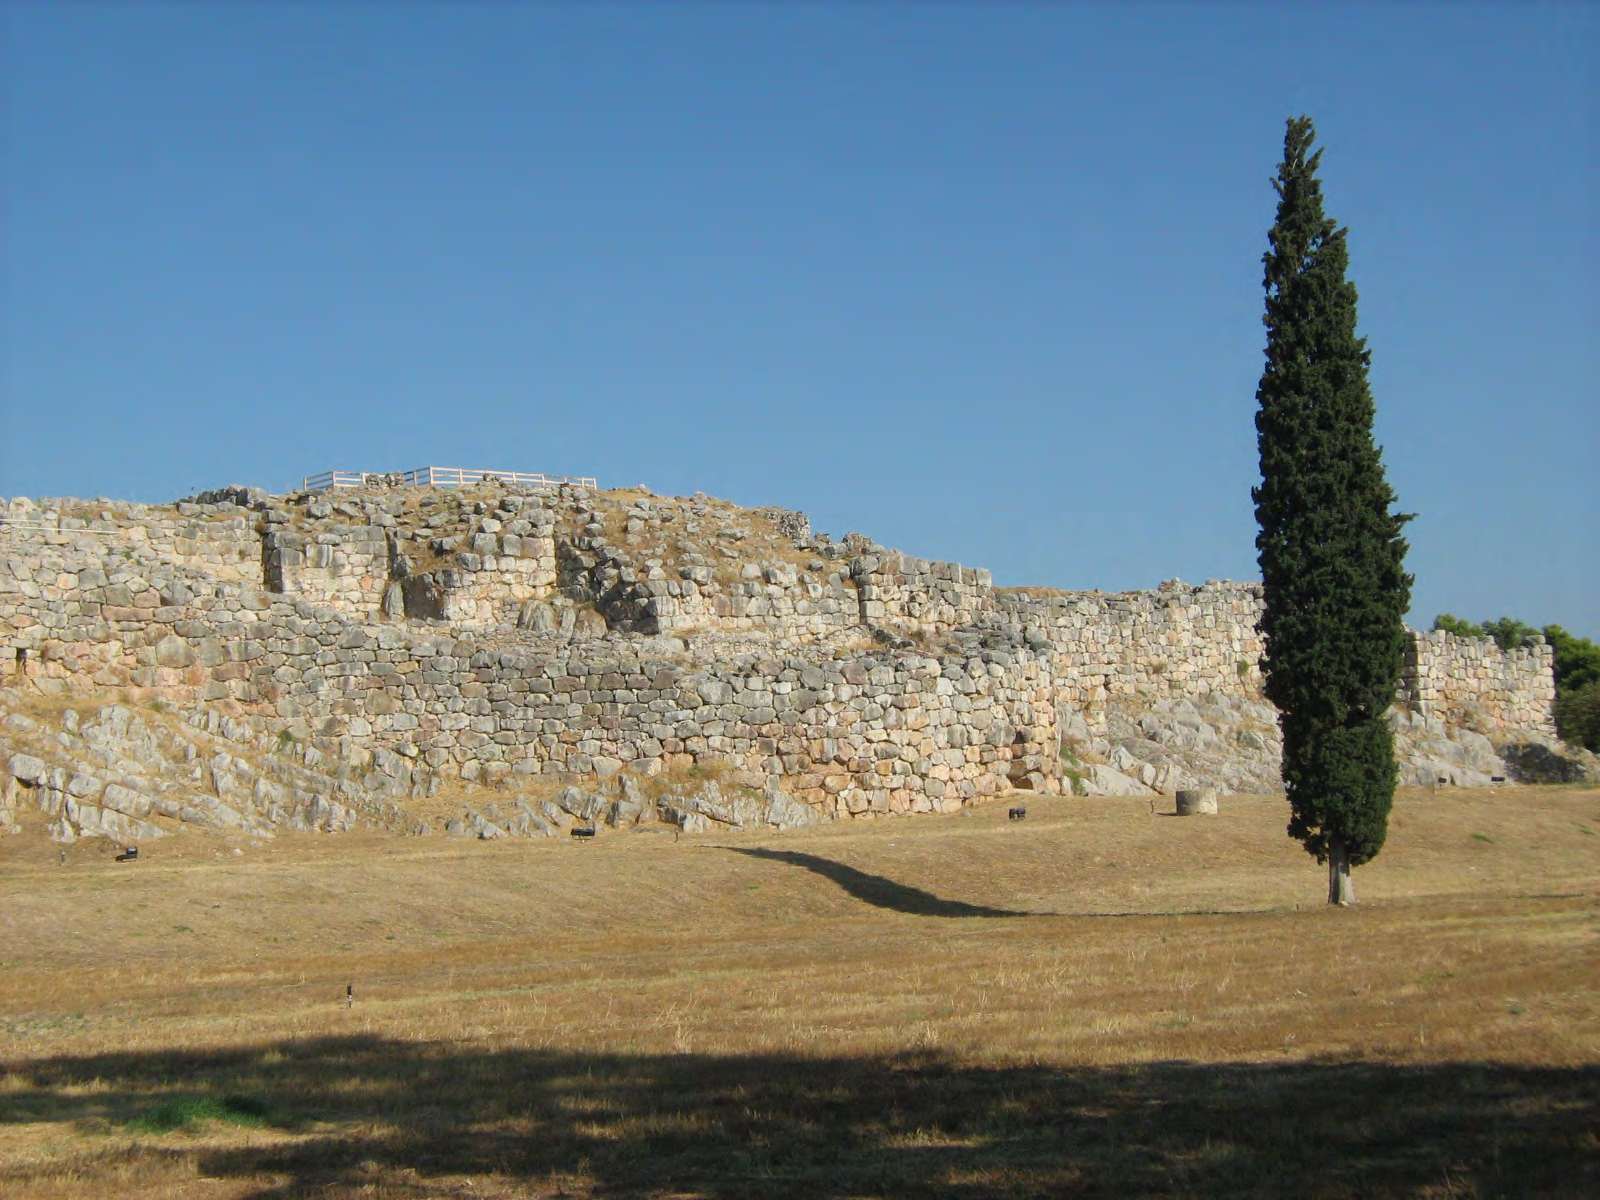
(1196, 642)
(347, 568)
(884, 733)
(902, 592)
(1176, 641)
(779, 597)
(460, 565)
(466, 634)
(1473, 683)
(884, 589)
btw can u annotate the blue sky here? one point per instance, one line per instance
(982, 281)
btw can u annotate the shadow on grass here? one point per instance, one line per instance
(390, 1118)
(878, 891)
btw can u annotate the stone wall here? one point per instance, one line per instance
(215, 544)
(477, 563)
(913, 594)
(466, 636)
(886, 590)
(1176, 641)
(873, 734)
(1473, 683)
(345, 568)
(458, 565)
(1196, 642)
(780, 598)
(204, 540)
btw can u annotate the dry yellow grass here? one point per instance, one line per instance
(1097, 1000)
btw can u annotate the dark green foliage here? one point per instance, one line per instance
(1577, 659)
(1510, 633)
(1577, 687)
(1578, 716)
(1331, 552)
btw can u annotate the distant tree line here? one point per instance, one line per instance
(1577, 670)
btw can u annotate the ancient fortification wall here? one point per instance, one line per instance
(1196, 642)
(491, 633)
(1177, 641)
(917, 595)
(1473, 683)
(876, 732)
(889, 732)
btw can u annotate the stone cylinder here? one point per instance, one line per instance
(1197, 802)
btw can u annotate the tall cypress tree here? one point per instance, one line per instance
(1331, 550)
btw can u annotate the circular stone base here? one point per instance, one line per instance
(1197, 802)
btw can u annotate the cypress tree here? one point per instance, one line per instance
(1331, 550)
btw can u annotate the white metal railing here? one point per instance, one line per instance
(438, 477)
(333, 479)
(457, 477)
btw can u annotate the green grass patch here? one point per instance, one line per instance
(184, 1112)
(1072, 769)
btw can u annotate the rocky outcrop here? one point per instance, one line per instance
(133, 775)
(1234, 745)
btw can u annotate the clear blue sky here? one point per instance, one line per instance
(982, 281)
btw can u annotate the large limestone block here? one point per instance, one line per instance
(1101, 780)
(25, 768)
(684, 819)
(174, 651)
(538, 616)
(785, 812)
(94, 821)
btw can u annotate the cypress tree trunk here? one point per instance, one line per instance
(1341, 890)
(1334, 588)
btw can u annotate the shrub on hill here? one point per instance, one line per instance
(1577, 687)
(1510, 633)
(1578, 716)
(1450, 623)
(1577, 659)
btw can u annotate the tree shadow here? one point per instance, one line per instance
(878, 891)
(405, 1119)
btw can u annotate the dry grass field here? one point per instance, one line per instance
(1099, 1000)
